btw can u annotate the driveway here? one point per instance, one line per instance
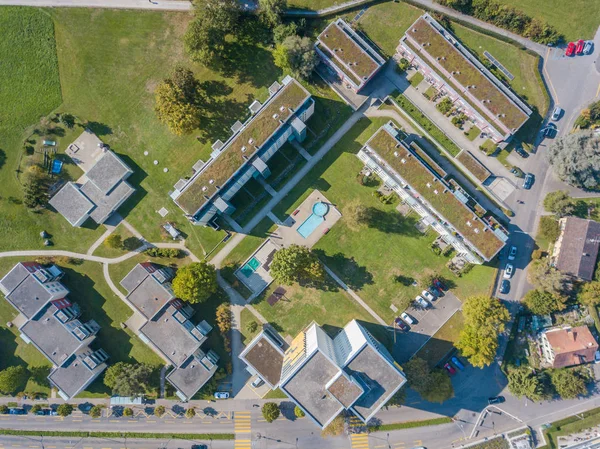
(427, 323)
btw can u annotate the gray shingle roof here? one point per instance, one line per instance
(190, 377)
(29, 297)
(71, 203)
(13, 278)
(106, 204)
(579, 248)
(108, 171)
(74, 375)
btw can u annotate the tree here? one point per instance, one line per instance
(568, 383)
(221, 15)
(549, 228)
(3, 409)
(485, 318)
(574, 159)
(271, 11)
(540, 302)
(35, 187)
(559, 203)
(195, 282)
(433, 386)
(355, 215)
(281, 31)
(522, 382)
(13, 378)
(545, 277)
(114, 241)
(298, 412)
(128, 379)
(96, 411)
(296, 264)
(445, 106)
(190, 413)
(64, 410)
(224, 317)
(270, 411)
(35, 409)
(159, 410)
(177, 102)
(335, 428)
(252, 326)
(589, 294)
(67, 120)
(403, 65)
(127, 411)
(298, 55)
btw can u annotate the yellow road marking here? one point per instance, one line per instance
(598, 91)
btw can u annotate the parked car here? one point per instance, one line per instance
(221, 395)
(521, 152)
(199, 446)
(496, 400)
(570, 49)
(401, 324)
(550, 130)
(505, 286)
(517, 172)
(16, 411)
(422, 302)
(528, 181)
(597, 357)
(579, 47)
(258, 382)
(450, 369)
(407, 318)
(427, 295)
(556, 114)
(512, 253)
(587, 48)
(508, 271)
(439, 284)
(458, 363)
(43, 412)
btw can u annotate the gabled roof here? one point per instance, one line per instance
(71, 203)
(108, 171)
(572, 346)
(579, 244)
(106, 204)
(74, 375)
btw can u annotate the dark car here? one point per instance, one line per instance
(401, 324)
(528, 181)
(439, 284)
(517, 172)
(505, 286)
(521, 152)
(550, 130)
(199, 446)
(496, 400)
(16, 411)
(451, 370)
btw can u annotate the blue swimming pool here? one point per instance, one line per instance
(250, 267)
(319, 210)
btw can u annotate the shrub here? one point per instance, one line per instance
(159, 410)
(252, 326)
(95, 411)
(537, 254)
(171, 253)
(36, 408)
(270, 411)
(128, 411)
(114, 241)
(190, 413)
(64, 410)
(402, 66)
(3, 409)
(298, 412)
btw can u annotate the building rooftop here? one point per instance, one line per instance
(170, 336)
(242, 146)
(106, 204)
(345, 390)
(192, 375)
(107, 172)
(265, 357)
(464, 73)
(147, 294)
(341, 42)
(29, 297)
(578, 247)
(51, 336)
(71, 203)
(572, 346)
(74, 375)
(379, 378)
(308, 387)
(421, 179)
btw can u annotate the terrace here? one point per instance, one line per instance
(441, 52)
(242, 147)
(436, 192)
(348, 51)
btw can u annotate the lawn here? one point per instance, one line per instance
(248, 317)
(130, 243)
(356, 255)
(577, 19)
(442, 342)
(416, 79)
(473, 133)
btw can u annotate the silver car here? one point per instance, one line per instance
(427, 295)
(557, 113)
(407, 318)
(587, 48)
(421, 301)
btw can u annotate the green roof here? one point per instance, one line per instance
(348, 51)
(279, 108)
(466, 74)
(417, 175)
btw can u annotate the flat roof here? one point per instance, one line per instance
(150, 296)
(106, 204)
(412, 170)
(29, 297)
(265, 358)
(380, 378)
(190, 377)
(466, 74)
(170, 337)
(343, 46)
(260, 127)
(108, 170)
(51, 336)
(73, 376)
(71, 203)
(308, 387)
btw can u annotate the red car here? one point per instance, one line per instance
(450, 369)
(401, 324)
(579, 47)
(570, 49)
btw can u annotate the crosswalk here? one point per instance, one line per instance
(242, 422)
(359, 440)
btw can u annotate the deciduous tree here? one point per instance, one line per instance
(195, 282)
(128, 379)
(559, 203)
(432, 385)
(574, 159)
(568, 383)
(545, 277)
(13, 378)
(35, 187)
(177, 102)
(522, 382)
(540, 302)
(296, 263)
(270, 411)
(298, 55)
(589, 294)
(159, 410)
(271, 11)
(96, 411)
(64, 410)
(224, 317)
(114, 241)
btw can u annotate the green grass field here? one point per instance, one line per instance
(442, 342)
(314, 5)
(130, 243)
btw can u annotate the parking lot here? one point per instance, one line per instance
(427, 322)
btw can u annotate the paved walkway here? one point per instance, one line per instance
(305, 154)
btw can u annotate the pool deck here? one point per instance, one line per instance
(287, 233)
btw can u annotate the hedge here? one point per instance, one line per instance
(173, 436)
(411, 424)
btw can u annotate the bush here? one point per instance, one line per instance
(114, 241)
(537, 254)
(298, 412)
(128, 411)
(402, 66)
(159, 410)
(549, 229)
(252, 326)
(190, 413)
(3, 409)
(96, 411)
(64, 410)
(36, 408)
(445, 106)
(171, 253)
(270, 411)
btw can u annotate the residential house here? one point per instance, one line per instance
(101, 190)
(245, 154)
(50, 321)
(164, 324)
(576, 249)
(568, 346)
(325, 375)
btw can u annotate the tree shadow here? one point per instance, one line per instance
(287, 410)
(39, 374)
(390, 222)
(406, 281)
(2, 158)
(248, 63)
(347, 268)
(100, 129)
(8, 348)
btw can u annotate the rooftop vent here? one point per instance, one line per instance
(251, 141)
(469, 224)
(204, 188)
(244, 149)
(436, 191)
(403, 161)
(211, 181)
(428, 184)
(282, 109)
(326, 35)
(275, 116)
(396, 154)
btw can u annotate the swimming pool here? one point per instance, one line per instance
(250, 267)
(319, 210)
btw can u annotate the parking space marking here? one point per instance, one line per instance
(598, 91)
